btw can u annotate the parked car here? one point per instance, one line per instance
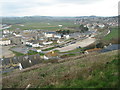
(78, 47)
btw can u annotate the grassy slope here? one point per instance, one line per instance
(94, 71)
(112, 37)
(112, 34)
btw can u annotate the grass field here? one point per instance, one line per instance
(52, 25)
(112, 34)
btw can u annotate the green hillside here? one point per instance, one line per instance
(91, 71)
(113, 34)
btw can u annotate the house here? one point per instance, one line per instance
(51, 55)
(29, 43)
(16, 40)
(67, 36)
(36, 45)
(6, 31)
(25, 39)
(5, 41)
(60, 25)
(33, 43)
(57, 36)
(49, 34)
(17, 35)
(28, 61)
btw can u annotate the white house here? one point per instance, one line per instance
(29, 43)
(6, 31)
(49, 34)
(5, 42)
(35, 45)
(67, 36)
(60, 25)
(57, 36)
(17, 35)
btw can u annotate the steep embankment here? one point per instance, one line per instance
(96, 71)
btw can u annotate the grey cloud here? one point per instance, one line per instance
(23, 5)
(15, 7)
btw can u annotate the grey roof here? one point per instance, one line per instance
(50, 32)
(24, 60)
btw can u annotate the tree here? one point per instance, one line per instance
(99, 45)
(82, 28)
(63, 32)
(68, 31)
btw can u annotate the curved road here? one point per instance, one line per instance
(82, 43)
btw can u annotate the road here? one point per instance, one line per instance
(82, 43)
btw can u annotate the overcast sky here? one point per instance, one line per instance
(59, 7)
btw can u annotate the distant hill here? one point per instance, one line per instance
(21, 20)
